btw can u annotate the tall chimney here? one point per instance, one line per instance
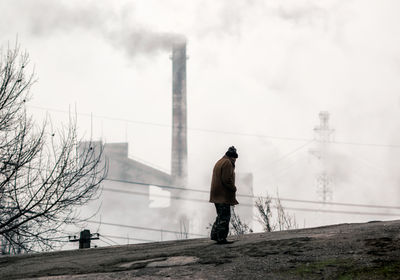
(179, 128)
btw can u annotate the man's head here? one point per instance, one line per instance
(232, 153)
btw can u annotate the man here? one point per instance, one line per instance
(222, 194)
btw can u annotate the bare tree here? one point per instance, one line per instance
(285, 220)
(274, 220)
(238, 227)
(263, 206)
(183, 228)
(44, 174)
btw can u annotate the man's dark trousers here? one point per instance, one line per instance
(220, 228)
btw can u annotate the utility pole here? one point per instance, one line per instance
(84, 239)
(323, 135)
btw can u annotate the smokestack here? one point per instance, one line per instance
(179, 128)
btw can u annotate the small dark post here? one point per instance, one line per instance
(84, 239)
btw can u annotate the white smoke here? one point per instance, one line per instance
(44, 18)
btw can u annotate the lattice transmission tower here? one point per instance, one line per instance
(323, 136)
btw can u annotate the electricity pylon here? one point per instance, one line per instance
(323, 135)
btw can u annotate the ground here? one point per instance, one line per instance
(347, 251)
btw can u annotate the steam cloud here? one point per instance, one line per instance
(119, 29)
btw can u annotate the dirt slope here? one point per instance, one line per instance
(346, 251)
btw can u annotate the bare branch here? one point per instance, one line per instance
(44, 176)
(272, 220)
(238, 227)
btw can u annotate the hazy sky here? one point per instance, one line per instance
(255, 67)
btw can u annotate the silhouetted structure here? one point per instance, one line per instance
(84, 238)
(179, 128)
(323, 135)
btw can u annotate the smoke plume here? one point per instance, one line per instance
(118, 28)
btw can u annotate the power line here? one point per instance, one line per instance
(287, 154)
(156, 185)
(364, 144)
(129, 238)
(170, 197)
(138, 227)
(106, 242)
(243, 195)
(252, 205)
(339, 203)
(342, 212)
(219, 131)
(104, 236)
(291, 152)
(169, 125)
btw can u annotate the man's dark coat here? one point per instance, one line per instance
(223, 187)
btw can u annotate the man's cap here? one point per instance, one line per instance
(232, 152)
